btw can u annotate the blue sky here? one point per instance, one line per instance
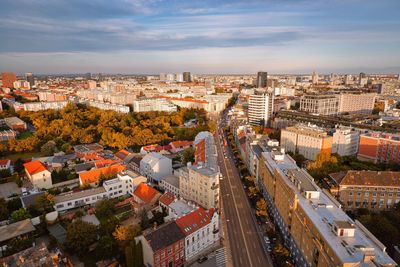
(204, 36)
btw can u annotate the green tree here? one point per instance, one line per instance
(188, 155)
(3, 210)
(129, 254)
(106, 247)
(49, 148)
(45, 203)
(104, 208)
(20, 215)
(80, 235)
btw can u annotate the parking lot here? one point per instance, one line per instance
(8, 190)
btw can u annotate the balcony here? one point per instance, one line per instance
(215, 231)
(214, 186)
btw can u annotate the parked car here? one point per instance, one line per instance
(202, 259)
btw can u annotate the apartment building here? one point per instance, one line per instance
(356, 103)
(108, 106)
(37, 106)
(327, 104)
(313, 225)
(345, 141)
(373, 190)
(199, 182)
(201, 230)
(153, 104)
(305, 140)
(155, 167)
(379, 147)
(261, 105)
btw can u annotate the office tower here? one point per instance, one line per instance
(347, 79)
(30, 78)
(261, 105)
(186, 77)
(88, 76)
(163, 77)
(262, 79)
(8, 79)
(314, 77)
(320, 104)
(362, 79)
(179, 77)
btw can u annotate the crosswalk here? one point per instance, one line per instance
(220, 257)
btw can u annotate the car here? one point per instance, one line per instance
(266, 239)
(202, 259)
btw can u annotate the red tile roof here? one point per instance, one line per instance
(167, 198)
(34, 167)
(121, 154)
(93, 176)
(181, 143)
(4, 161)
(104, 162)
(145, 192)
(195, 220)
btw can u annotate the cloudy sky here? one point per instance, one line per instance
(201, 36)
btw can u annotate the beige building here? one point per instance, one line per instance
(38, 174)
(199, 181)
(308, 141)
(357, 103)
(373, 190)
(313, 225)
(320, 104)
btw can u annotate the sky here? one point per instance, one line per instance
(201, 36)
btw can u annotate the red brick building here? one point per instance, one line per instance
(8, 79)
(164, 246)
(379, 147)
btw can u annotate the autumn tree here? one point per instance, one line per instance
(80, 235)
(126, 233)
(261, 208)
(45, 203)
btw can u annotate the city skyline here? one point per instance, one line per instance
(201, 36)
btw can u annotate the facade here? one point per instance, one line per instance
(8, 79)
(187, 77)
(48, 96)
(153, 104)
(201, 231)
(36, 106)
(171, 184)
(38, 174)
(15, 124)
(155, 167)
(308, 141)
(30, 78)
(5, 164)
(313, 226)
(178, 146)
(261, 106)
(320, 104)
(124, 184)
(199, 182)
(379, 147)
(357, 103)
(345, 141)
(373, 190)
(262, 79)
(109, 106)
(164, 246)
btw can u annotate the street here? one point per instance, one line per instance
(244, 239)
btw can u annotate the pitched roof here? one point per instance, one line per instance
(122, 154)
(4, 161)
(195, 220)
(372, 178)
(145, 192)
(167, 198)
(181, 143)
(104, 162)
(34, 167)
(164, 236)
(16, 229)
(93, 176)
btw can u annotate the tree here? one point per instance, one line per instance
(20, 215)
(80, 235)
(104, 208)
(139, 254)
(3, 209)
(126, 233)
(45, 203)
(129, 254)
(106, 247)
(261, 208)
(14, 204)
(49, 148)
(188, 155)
(322, 160)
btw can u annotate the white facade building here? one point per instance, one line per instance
(108, 106)
(345, 141)
(153, 104)
(155, 166)
(261, 106)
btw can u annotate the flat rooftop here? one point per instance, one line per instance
(10, 231)
(81, 194)
(324, 212)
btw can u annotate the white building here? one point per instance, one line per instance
(36, 106)
(170, 184)
(320, 104)
(345, 141)
(153, 104)
(357, 103)
(261, 106)
(124, 184)
(155, 166)
(38, 174)
(108, 106)
(201, 229)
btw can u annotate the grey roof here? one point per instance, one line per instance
(30, 200)
(63, 158)
(164, 236)
(10, 231)
(172, 180)
(77, 195)
(257, 150)
(58, 232)
(84, 166)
